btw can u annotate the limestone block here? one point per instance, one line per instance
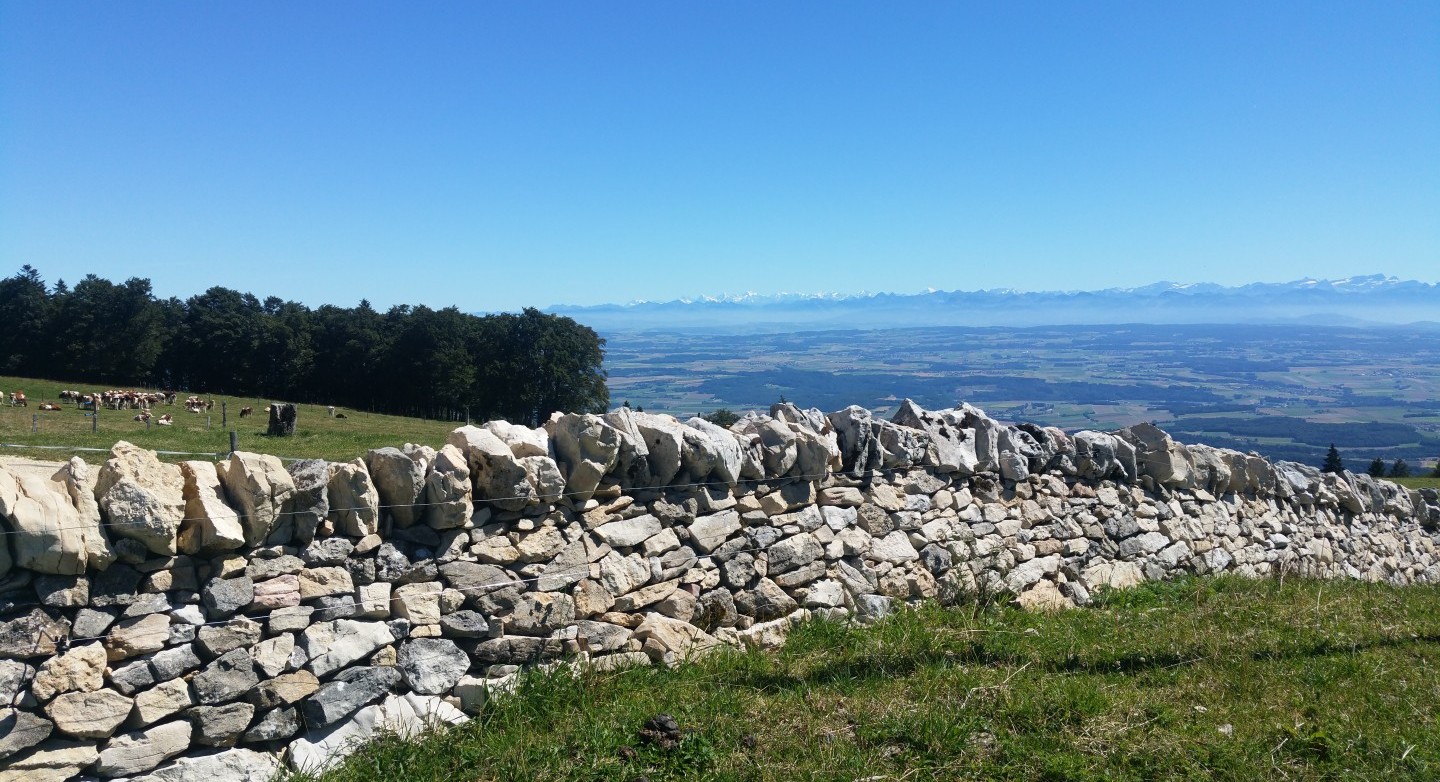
(50, 533)
(142, 498)
(166, 698)
(353, 500)
(498, 478)
(141, 635)
(134, 753)
(447, 490)
(586, 448)
(399, 477)
(210, 524)
(89, 715)
(80, 669)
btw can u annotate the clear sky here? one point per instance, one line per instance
(501, 155)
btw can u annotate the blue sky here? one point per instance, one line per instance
(495, 156)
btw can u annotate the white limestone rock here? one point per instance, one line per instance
(586, 448)
(447, 490)
(354, 501)
(210, 524)
(50, 534)
(259, 486)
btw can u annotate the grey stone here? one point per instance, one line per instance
(629, 532)
(937, 559)
(15, 678)
(283, 565)
(223, 597)
(62, 591)
(116, 585)
(329, 551)
(129, 679)
(154, 603)
(347, 693)
(33, 635)
(330, 646)
(765, 602)
(717, 609)
(516, 649)
(464, 624)
(227, 678)
(276, 725)
(174, 662)
(432, 666)
(21, 730)
(541, 613)
(793, 552)
(91, 623)
(739, 571)
(215, 640)
(220, 726)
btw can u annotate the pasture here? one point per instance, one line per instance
(317, 435)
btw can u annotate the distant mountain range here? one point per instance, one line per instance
(1361, 301)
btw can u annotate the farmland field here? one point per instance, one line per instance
(1287, 392)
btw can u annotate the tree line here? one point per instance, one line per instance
(408, 360)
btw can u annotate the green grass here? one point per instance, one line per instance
(1421, 482)
(317, 435)
(1203, 679)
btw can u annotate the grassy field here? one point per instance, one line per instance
(1422, 482)
(317, 435)
(1204, 679)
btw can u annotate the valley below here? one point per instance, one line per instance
(1285, 391)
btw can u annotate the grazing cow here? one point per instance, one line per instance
(245, 411)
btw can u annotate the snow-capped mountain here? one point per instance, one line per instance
(1375, 299)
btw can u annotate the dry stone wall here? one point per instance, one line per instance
(167, 622)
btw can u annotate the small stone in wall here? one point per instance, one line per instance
(80, 669)
(21, 730)
(32, 635)
(89, 715)
(220, 726)
(134, 753)
(142, 635)
(166, 698)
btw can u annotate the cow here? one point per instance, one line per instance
(164, 420)
(340, 415)
(17, 399)
(245, 411)
(46, 406)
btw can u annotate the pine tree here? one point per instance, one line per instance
(1436, 473)
(1376, 468)
(1332, 461)
(1399, 469)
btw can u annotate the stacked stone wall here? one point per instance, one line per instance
(163, 621)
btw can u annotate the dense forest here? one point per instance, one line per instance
(408, 360)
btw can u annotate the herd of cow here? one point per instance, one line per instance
(130, 400)
(125, 400)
